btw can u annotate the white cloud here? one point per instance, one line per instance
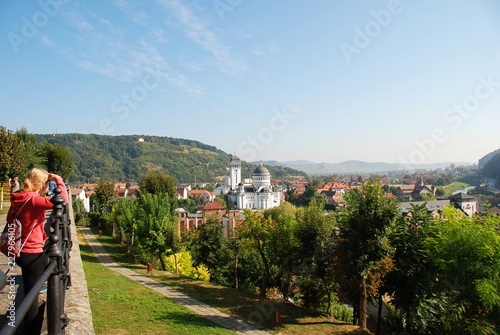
(98, 45)
(266, 49)
(200, 33)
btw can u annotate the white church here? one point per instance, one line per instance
(260, 194)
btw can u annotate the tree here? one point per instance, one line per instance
(208, 247)
(316, 236)
(57, 159)
(104, 194)
(466, 252)
(411, 283)
(155, 182)
(426, 197)
(440, 192)
(11, 155)
(284, 254)
(30, 149)
(369, 216)
(311, 193)
(123, 215)
(156, 225)
(255, 233)
(188, 204)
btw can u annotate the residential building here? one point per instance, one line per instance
(79, 193)
(466, 203)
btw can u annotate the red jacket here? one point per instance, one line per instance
(33, 214)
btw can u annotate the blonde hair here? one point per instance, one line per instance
(35, 180)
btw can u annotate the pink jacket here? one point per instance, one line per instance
(33, 214)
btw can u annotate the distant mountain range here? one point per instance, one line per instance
(353, 166)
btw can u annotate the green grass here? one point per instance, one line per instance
(239, 303)
(122, 306)
(449, 189)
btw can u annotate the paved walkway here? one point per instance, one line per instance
(214, 315)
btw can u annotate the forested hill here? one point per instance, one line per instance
(484, 160)
(492, 167)
(124, 158)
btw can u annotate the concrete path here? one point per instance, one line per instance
(212, 314)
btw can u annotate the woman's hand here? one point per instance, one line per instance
(53, 176)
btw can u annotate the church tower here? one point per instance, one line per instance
(235, 173)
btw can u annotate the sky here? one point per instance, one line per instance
(405, 81)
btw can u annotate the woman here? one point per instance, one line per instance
(32, 217)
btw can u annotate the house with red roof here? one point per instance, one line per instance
(212, 209)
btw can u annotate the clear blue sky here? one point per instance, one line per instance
(326, 81)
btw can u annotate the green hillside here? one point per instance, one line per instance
(486, 158)
(492, 168)
(124, 158)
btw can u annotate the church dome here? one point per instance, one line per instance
(235, 159)
(261, 170)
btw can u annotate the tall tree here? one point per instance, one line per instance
(316, 234)
(412, 282)
(466, 252)
(123, 215)
(11, 155)
(156, 225)
(311, 193)
(57, 159)
(255, 233)
(104, 193)
(369, 217)
(159, 182)
(30, 149)
(209, 247)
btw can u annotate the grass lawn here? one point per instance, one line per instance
(121, 306)
(238, 303)
(449, 189)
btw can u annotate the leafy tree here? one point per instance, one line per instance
(104, 194)
(156, 225)
(467, 255)
(30, 149)
(255, 233)
(369, 216)
(445, 180)
(411, 283)
(208, 247)
(78, 210)
(188, 204)
(123, 216)
(57, 159)
(12, 162)
(440, 192)
(284, 255)
(316, 236)
(155, 182)
(426, 197)
(311, 193)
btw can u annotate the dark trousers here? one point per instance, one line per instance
(32, 269)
